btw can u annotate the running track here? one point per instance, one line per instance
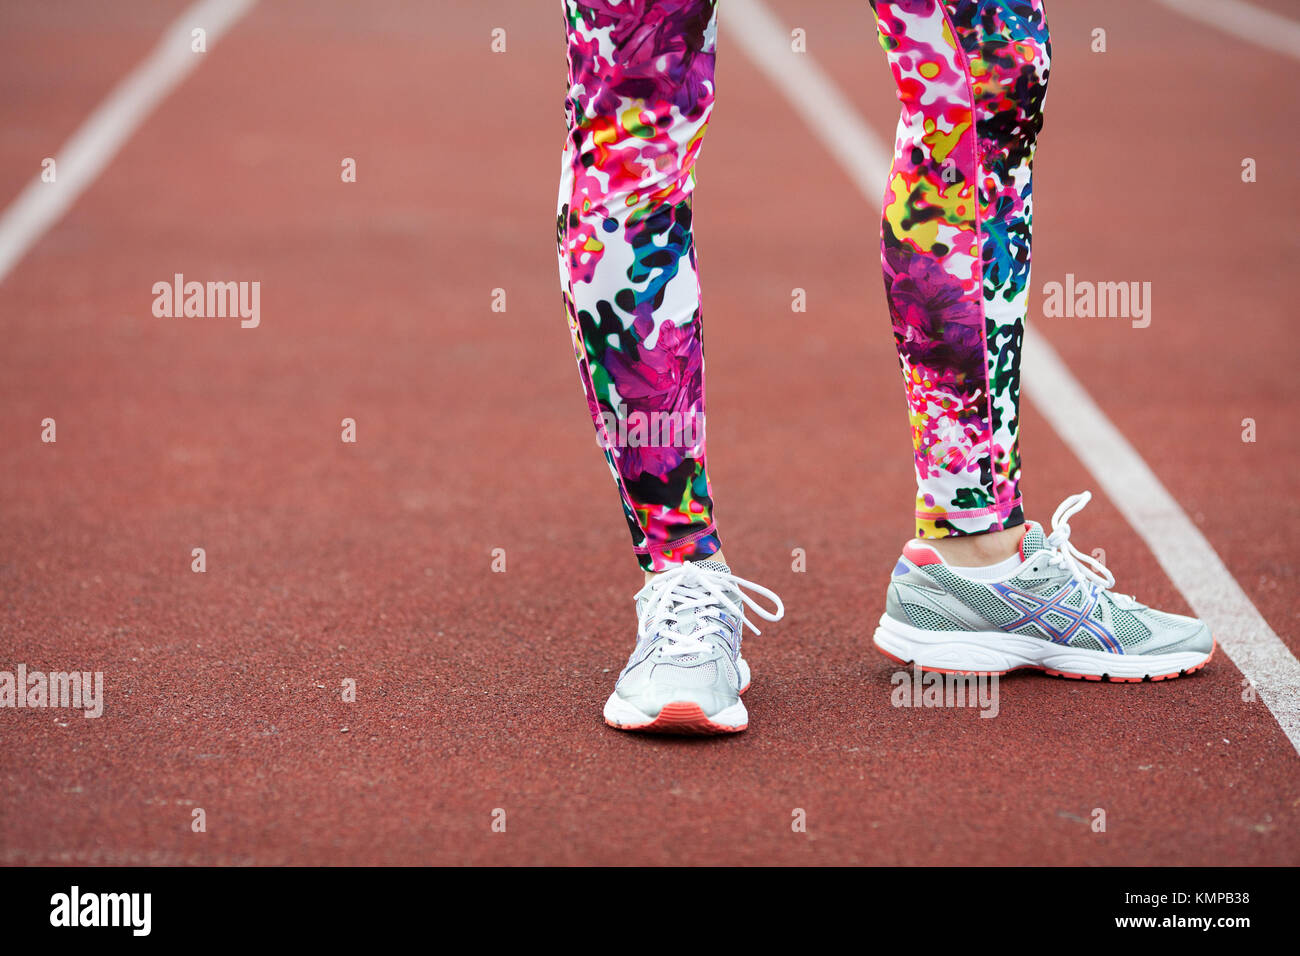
(481, 690)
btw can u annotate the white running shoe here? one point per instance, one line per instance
(686, 674)
(1054, 612)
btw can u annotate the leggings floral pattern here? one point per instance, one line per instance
(955, 242)
(955, 239)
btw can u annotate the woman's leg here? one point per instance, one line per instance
(971, 77)
(640, 95)
(955, 244)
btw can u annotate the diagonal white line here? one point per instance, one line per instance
(860, 153)
(92, 147)
(1244, 21)
(1180, 547)
(1184, 553)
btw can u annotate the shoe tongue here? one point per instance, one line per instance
(690, 621)
(687, 624)
(1033, 541)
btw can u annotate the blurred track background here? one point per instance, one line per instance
(479, 690)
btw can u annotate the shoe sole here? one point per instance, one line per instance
(994, 653)
(682, 717)
(679, 717)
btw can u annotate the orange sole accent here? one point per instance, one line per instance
(1047, 670)
(681, 718)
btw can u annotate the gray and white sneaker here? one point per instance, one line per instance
(1055, 612)
(686, 674)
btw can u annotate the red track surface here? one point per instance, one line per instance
(479, 690)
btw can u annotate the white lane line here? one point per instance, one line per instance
(857, 149)
(1180, 547)
(1244, 21)
(1183, 552)
(92, 147)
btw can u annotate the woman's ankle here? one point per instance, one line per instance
(716, 556)
(979, 550)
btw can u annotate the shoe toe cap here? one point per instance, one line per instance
(705, 684)
(1180, 635)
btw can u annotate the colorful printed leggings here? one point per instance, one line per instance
(955, 243)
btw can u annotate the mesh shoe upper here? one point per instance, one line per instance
(1047, 597)
(689, 640)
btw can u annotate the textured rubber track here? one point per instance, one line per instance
(372, 562)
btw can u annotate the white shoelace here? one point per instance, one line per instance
(1083, 567)
(699, 593)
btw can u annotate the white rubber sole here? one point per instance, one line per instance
(997, 652)
(676, 718)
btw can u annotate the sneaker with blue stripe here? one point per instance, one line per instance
(1055, 612)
